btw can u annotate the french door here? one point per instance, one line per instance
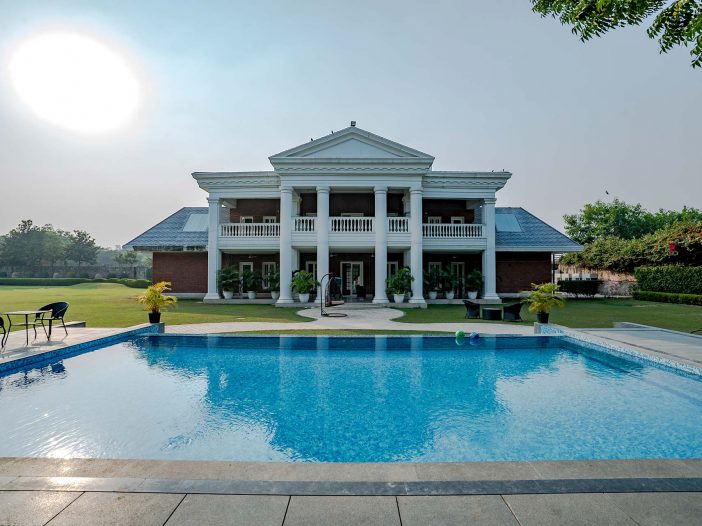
(351, 275)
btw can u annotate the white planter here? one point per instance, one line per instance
(275, 295)
(304, 298)
(398, 298)
(251, 294)
(228, 294)
(432, 294)
(449, 294)
(472, 294)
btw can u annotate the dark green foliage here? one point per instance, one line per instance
(579, 287)
(66, 282)
(668, 297)
(669, 278)
(81, 247)
(676, 22)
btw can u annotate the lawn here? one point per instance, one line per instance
(113, 305)
(341, 332)
(585, 313)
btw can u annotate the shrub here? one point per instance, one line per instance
(669, 278)
(67, 282)
(668, 297)
(579, 287)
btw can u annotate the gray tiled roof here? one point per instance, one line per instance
(534, 235)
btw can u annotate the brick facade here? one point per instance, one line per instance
(256, 208)
(446, 209)
(187, 271)
(350, 203)
(516, 271)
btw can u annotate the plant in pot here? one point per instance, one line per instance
(542, 299)
(154, 300)
(273, 280)
(228, 281)
(249, 283)
(474, 282)
(433, 282)
(303, 283)
(400, 284)
(450, 281)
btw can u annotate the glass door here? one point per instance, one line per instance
(351, 276)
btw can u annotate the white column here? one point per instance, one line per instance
(416, 246)
(381, 243)
(214, 257)
(322, 236)
(286, 263)
(489, 271)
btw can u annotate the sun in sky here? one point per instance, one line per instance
(75, 82)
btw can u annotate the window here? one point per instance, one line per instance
(269, 219)
(392, 214)
(434, 264)
(352, 214)
(246, 219)
(433, 220)
(245, 265)
(311, 267)
(458, 268)
(269, 267)
(457, 220)
(392, 268)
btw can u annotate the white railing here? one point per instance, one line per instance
(351, 224)
(249, 230)
(398, 225)
(447, 230)
(304, 224)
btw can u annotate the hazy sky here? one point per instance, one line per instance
(479, 85)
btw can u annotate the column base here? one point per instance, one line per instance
(492, 297)
(418, 300)
(284, 301)
(381, 300)
(211, 296)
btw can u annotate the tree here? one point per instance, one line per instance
(81, 247)
(30, 246)
(127, 257)
(675, 22)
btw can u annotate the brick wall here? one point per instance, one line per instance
(256, 208)
(516, 271)
(445, 209)
(187, 271)
(356, 202)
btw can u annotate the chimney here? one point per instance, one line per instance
(353, 123)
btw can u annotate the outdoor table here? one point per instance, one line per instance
(492, 313)
(26, 314)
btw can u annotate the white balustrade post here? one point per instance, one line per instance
(322, 236)
(286, 209)
(381, 243)
(416, 246)
(214, 257)
(489, 263)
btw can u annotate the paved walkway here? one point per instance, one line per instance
(368, 319)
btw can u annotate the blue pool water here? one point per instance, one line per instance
(349, 399)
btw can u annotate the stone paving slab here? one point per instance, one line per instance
(32, 508)
(341, 511)
(484, 510)
(574, 509)
(245, 510)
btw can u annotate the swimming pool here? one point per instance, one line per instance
(350, 399)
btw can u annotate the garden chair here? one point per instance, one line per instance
(512, 312)
(472, 309)
(58, 311)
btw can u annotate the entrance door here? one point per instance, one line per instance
(351, 276)
(459, 269)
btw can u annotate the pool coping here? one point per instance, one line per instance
(351, 479)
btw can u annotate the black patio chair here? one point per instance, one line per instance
(512, 312)
(472, 309)
(58, 311)
(4, 332)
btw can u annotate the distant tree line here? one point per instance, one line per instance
(30, 249)
(619, 237)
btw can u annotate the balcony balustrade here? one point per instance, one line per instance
(398, 225)
(249, 230)
(441, 230)
(304, 224)
(352, 224)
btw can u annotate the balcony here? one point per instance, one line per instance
(249, 230)
(441, 230)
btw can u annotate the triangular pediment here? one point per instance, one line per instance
(351, 143)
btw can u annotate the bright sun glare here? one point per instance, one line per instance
(75, 82)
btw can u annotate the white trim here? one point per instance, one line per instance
(246, 219)
(434, 220)
(270, 219)
(458, 220)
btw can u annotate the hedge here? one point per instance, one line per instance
(582, 287)
(669, 278)
(668, 297)
(65, 282)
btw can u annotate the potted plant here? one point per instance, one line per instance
(433, 282)
(542, 299)
(154, 300)
(249, 283)
(450, 279)
(399, 284)
(228, 281)
(474, 282)
(273, 280)
(303, 282)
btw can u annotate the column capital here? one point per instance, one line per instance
(380, 189)
(213, 200)
(489, 200)
(416, 190)
(286, 189)
(323, 189)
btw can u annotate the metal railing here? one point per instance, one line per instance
(351, 224)
(398, 225)
(249, 230)
(448, 230)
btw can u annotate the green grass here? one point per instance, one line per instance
(111, 305)
(584, 313)
(340, 332)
